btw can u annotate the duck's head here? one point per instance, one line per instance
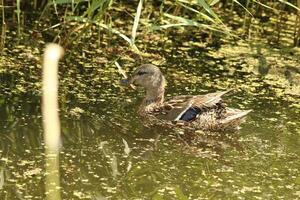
(147, 76)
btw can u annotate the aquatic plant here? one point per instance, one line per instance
(216, 16)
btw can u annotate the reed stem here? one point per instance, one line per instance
(3, 33)
(51, 123)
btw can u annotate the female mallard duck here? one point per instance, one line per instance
(205, 112)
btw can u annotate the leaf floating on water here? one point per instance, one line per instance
(102, 144)
(99, 197)
(80, 195)
(129, 166)
(33, 172)
(114, 166)
(77, 112)
(127, 150)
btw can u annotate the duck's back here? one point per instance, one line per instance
(206, 112)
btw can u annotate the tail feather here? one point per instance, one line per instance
(235, 115)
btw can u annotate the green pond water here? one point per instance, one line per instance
(108, 154)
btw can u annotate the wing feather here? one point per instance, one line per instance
(176, 107)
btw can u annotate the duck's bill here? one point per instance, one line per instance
(126, 82)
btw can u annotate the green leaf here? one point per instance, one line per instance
(208, 9)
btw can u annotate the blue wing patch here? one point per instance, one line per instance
(190, 114)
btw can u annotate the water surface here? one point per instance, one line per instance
(108, 154)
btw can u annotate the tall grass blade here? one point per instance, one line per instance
(237, 2)
(58, 2)
(187, 22)
(55, 6)
(18, 16)
(95, 4)
(213, 2)
(73, 6)
(115, 31)
(3, 33)
(182, 20)
(289, 4)
(208, 9)
(136, 21)
(264, 5)
(166, 26)
(204, 16)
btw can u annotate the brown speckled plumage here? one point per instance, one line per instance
(205, 112)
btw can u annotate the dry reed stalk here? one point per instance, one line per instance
(51, 123)
(3, 33)
(297, 27)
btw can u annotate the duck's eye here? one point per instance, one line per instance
(140, 73)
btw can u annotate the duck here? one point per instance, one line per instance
(207, 112)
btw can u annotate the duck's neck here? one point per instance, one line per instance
(154, 98)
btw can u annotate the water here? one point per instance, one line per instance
(262, 161)
(108, 154)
